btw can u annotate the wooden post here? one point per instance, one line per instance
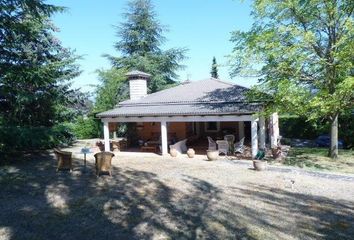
(164, 142)
(241, 130)
(261, 132)
(274, 130)
(254, 138)
(106, 136)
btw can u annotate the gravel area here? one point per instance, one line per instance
(150, 197)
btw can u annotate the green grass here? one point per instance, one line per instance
(316, 159)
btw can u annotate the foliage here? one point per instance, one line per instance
(113, 88)
(34, 67)
(29, 138)
(302, 53)
(214, 69)
(299, 127)
(87, 127)
(141, 38)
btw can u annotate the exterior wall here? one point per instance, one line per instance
(180, 130)
(225, 128)
(152, 131)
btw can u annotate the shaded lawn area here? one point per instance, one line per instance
(38, 203)
(316, 159)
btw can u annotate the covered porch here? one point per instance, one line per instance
(163, 131)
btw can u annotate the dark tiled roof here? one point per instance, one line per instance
(206, 97)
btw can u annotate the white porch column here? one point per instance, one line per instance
(254, 138)
(106, 136)
(274, 130)
(164, 142)
(261, 132)
(241, 130)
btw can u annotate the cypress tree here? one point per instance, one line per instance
(214, 69)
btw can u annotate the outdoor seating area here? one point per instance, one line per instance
(142, 194)
(103, 160)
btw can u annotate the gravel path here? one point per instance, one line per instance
(171, 198)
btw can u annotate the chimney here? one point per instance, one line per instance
(137, 84)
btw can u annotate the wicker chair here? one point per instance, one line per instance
(180, 146)
(212, 144)
(64, 160)
(239, 147)
(103, 162)
(223, 146)
(230, 139)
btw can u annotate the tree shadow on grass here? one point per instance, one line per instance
(38, 203)
(287, 213)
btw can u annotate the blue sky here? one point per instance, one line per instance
(202, 26)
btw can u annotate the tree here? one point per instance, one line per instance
(214, 69)
(302, 51)
(140, 46)
(113, 88)
(34, 67)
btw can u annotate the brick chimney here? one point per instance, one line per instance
(137, 84)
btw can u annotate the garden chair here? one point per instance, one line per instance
(239, 147)
(212, 144)
(180, 146)
(64, 160)
(103, 162)
(223, 146)
(230, 139)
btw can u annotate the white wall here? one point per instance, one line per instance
(137, 88)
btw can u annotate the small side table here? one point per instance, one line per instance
(85, 151)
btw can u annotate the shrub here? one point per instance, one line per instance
(87, 128)
(296, 127)
(14, 138)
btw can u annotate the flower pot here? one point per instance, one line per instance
(212, 155)
(259, 165)
(173, 152)
(191, 153)
(276, 152)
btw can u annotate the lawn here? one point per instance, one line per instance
(170, 198)
(316, 159)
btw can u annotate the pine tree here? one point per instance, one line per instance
(141, 38)
(34, 67)
(214, 69)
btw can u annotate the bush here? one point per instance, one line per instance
(87, 128)
(295, 127)
(13, 138)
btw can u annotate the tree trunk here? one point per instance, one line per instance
(333, 150)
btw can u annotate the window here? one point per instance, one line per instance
(212, 126)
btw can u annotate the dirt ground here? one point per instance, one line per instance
(151, 197)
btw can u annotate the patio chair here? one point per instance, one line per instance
(103, 162)
(223, 146)
(230, 139)
(64, 160)
(180, 146)
(212, 144)
(239, 147)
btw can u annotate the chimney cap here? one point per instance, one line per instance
(136, 73)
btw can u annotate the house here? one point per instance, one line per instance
(209, 107)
